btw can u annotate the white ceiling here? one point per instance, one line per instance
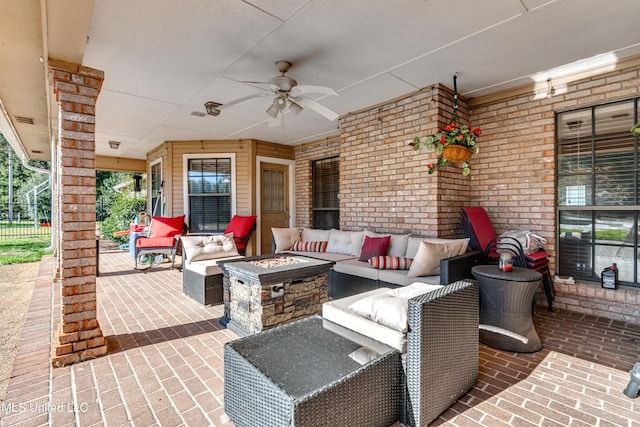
(163, 59)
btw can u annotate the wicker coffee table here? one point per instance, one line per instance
(301, 374)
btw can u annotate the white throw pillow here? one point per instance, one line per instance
(427, 259)
(315, 235)
(345, 242)
(414, 244)
(285, 238)
(390, 308)
(397, 244)
(198, 248)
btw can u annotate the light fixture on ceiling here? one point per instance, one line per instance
(277, 105)
(295, 108)
(212, 108)
(114, 144)
(550, 89)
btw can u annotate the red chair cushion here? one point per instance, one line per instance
(166, 227)
(241, 226)
(481, 225)
(155, 242)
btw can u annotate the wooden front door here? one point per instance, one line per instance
(274, 208)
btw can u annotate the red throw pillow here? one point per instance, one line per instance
(374, 246)
(167, 227)
(241, 226)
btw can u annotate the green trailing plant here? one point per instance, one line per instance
(635, 130)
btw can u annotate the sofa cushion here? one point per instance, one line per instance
(285, 237)
(355, 267)
(337, 311)
(390, 262)
(397, 244)
(309, 246)
(208, 267)
(315, 235)
(155, 242)
(198, 248)
(374, 247)
(427, 259)
(345, 242)
(390, 308)
(166, 227)
(414, 244)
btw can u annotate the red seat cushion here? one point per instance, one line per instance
(241, 226)
(155, 242)
(166, 227)
(481, 225)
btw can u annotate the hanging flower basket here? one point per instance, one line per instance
(454, 143)
(457, 153)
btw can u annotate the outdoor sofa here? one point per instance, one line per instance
(365, 260)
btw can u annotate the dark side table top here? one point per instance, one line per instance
(516, 275)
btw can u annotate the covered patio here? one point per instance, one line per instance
(165, 364)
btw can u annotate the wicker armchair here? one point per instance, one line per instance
(441, 359)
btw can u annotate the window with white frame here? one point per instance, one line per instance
(209, 195)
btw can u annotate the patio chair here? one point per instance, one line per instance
(242, 228)
(482, 237)
(163, 239)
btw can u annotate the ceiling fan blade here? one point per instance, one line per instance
(307, 89)
(239, 100)
(317, 107)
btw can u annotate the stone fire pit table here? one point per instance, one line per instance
(266, 291)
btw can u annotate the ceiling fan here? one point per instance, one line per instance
(288, 96)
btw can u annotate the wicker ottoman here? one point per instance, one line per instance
(506, 299)
(301, 374)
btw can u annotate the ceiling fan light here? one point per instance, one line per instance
(295, 108)
(274, 109)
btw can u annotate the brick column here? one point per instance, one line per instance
(79, 336)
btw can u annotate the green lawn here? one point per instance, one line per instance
(26, 249)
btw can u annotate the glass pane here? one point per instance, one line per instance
(209, 213)
(614, 119)
(615, 188)
(574, 256)
(574, 190)
(615, 238)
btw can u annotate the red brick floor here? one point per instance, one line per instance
(165, 364)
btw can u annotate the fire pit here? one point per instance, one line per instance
(264, 292)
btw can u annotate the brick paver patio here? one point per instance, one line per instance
(165, 364)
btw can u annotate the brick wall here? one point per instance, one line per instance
(79, 336)
(384, 185)
(514, 174)
(304, 155)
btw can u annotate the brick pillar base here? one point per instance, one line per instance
(79, 336)
(72, 347)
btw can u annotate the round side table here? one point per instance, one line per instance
(506, 299)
